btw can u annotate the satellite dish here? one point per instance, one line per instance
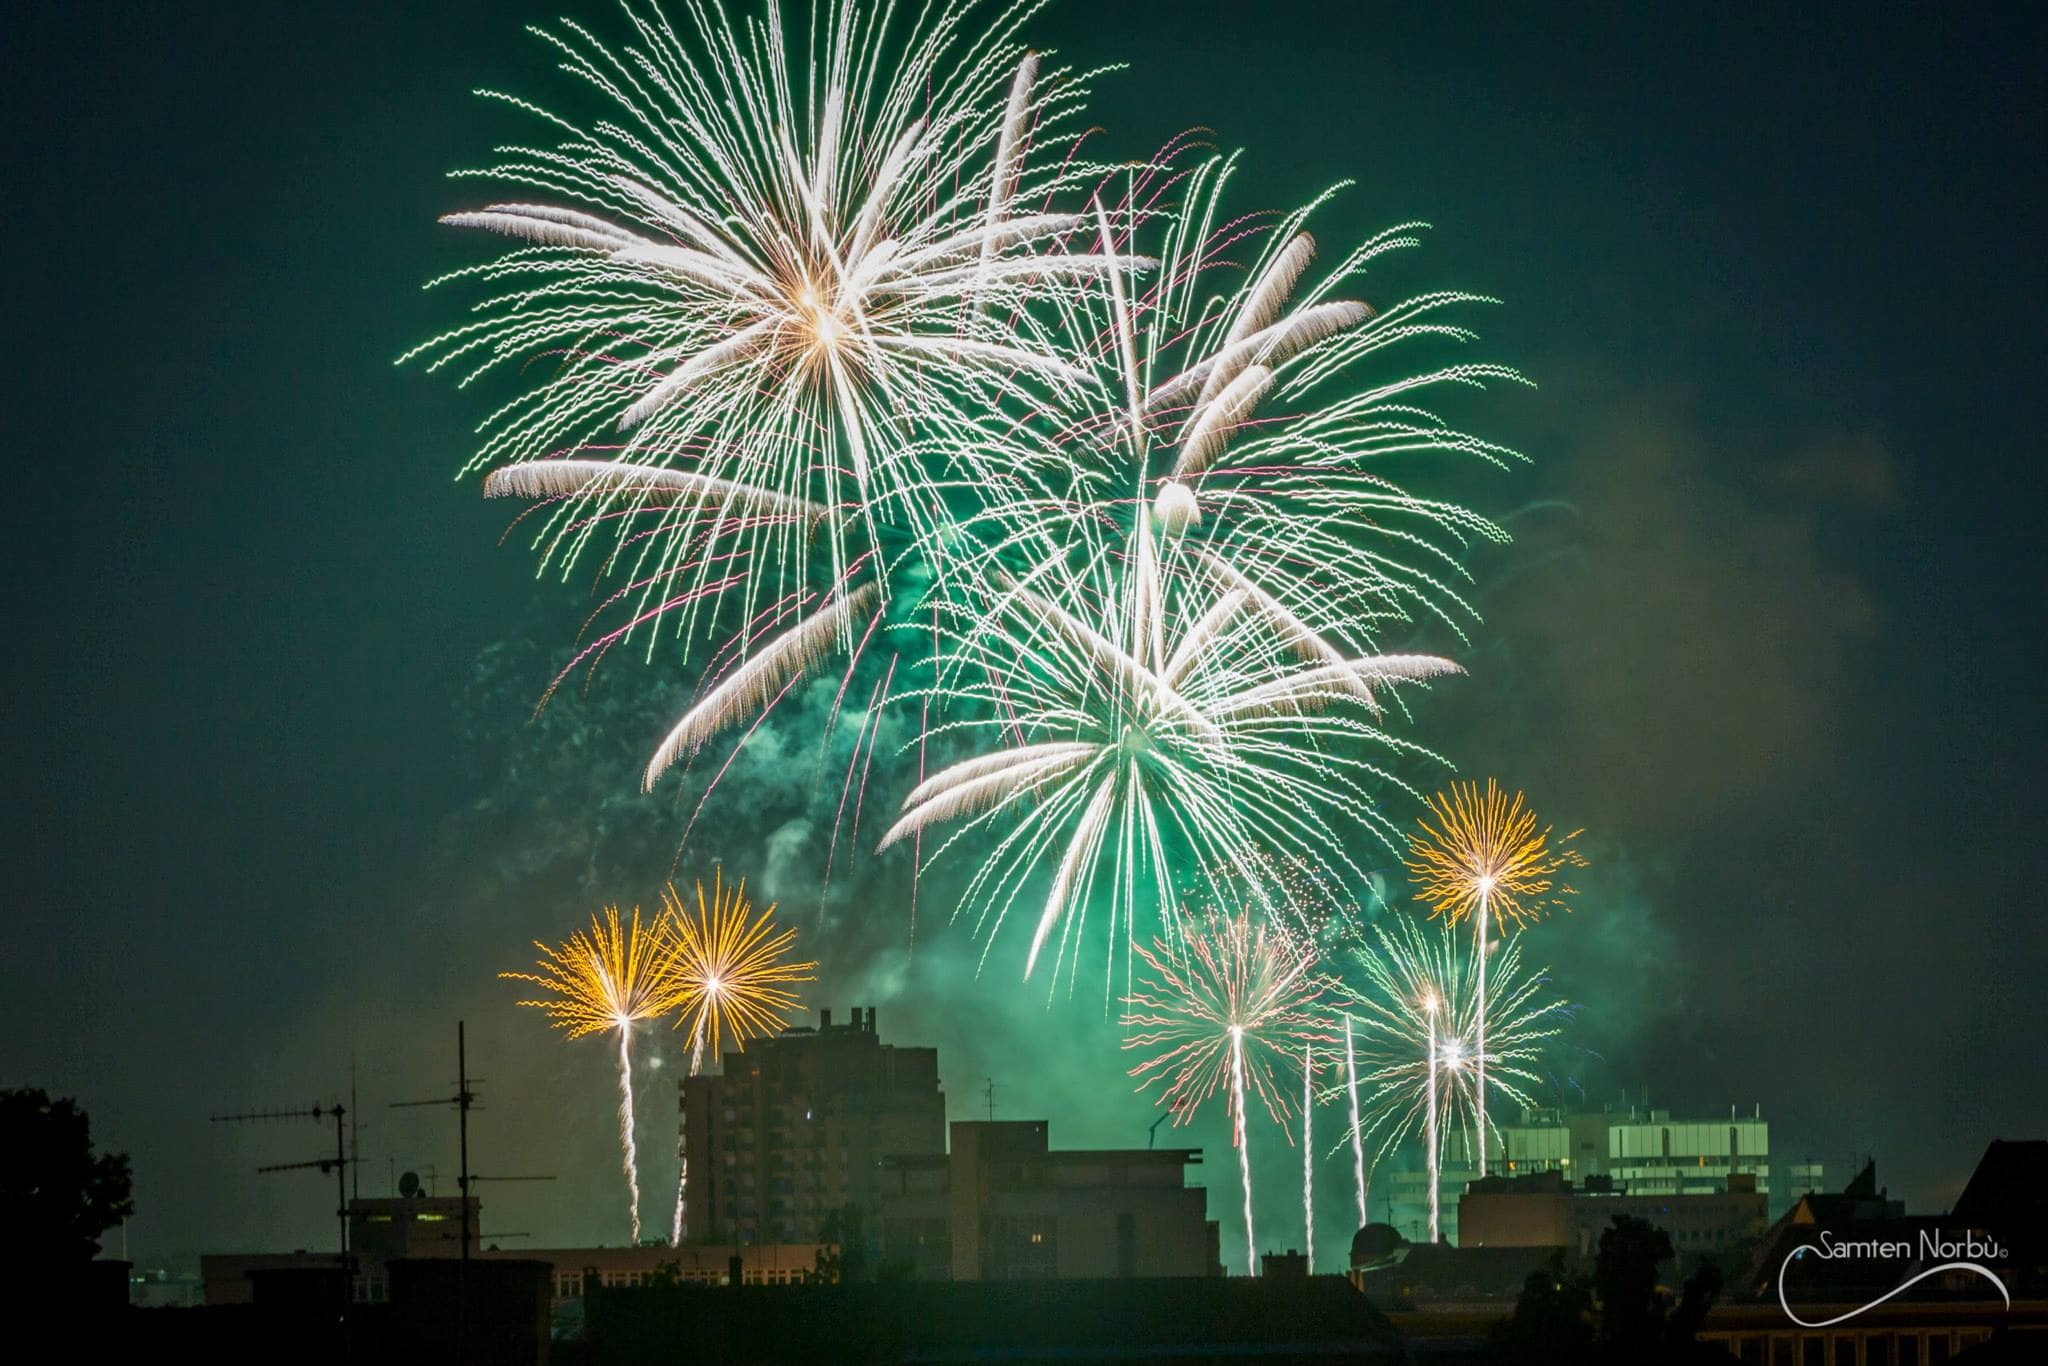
(409, 1184)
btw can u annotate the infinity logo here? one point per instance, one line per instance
(1981, 1270)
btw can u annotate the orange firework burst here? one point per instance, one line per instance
(608, 978)
(612, 978)
(731, 969)
(1481, 852)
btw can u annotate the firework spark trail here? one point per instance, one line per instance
(733, 979)
(1417, 1017)
(1237, 1140)
(1225, 1005)
(1432, 1150)
(611, 979)
(1308, 1161)
(629, 1150)
(1357, 1139)
(676, 1228)
(1479, 1022)
(1480, 855)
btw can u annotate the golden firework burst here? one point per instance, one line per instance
(1480, 852)
(608, 978)
(731, 967)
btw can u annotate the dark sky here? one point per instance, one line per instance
(1771, 631)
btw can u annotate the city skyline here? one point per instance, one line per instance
(279, 806)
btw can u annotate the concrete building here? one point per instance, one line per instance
(626, 1268)
(420, 1228)
(380, 1231)
(797, 1126)
(1005, 1205)
(1543, 1209)
(411, 1226)
(1644, 1151)
(1641, 1151)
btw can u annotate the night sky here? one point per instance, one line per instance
(1770, 631)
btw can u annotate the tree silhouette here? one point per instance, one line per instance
(1617, 1314)
(56, 1197)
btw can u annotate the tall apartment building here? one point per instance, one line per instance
(797, 1126)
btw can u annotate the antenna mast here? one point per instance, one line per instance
(339, 1164)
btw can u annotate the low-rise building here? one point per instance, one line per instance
(1004, 1205)
(1641, 1151)
(1546, 1210)
(426, 1228)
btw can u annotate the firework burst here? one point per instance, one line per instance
(734, 980)
(1479, 856)
(1225, 1009)
(1186, 739)
(1418, 1020)
(776, 284)
(610, 979)
(733, 968)
(1250, 414)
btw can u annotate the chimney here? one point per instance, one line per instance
(871, 1019)
(824, 1020)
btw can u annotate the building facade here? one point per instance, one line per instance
(426, 1227)
(1005, 1205)
(1640, 1151)
(1545, 1210)
(797, 1126)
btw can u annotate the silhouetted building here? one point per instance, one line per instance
(427, 1228)
(1005, 1205)
(627, 1268)
(158, 1288)
(1437, 1277)
(1546, 1210)
(1642, 1151)
(1168, 1322)
(2008, 1192)
(444, 1309)
(380, 1231)
(411, 1226)
(1289, 1265)
(796, 1127)
(1884, 1285)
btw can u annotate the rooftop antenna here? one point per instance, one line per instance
(464, 1100)
(509, 1233)
(989, 1091)
(355, 1132)
(338, 1164)
(1152, 1134)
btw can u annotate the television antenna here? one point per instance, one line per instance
(464, 1100)
(339, 1164)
